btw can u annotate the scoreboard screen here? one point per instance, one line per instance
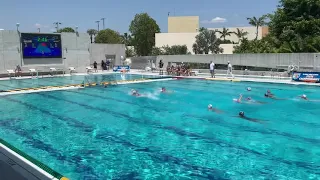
(36, 45)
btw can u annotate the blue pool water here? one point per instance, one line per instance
(104, 133)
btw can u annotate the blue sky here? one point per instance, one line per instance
(35, 13)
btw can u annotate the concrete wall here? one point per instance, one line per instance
(77, 52)
(142, 62)
(183, 24)
(98, 52)
(306, 61)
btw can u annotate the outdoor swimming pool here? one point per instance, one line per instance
(104, 133)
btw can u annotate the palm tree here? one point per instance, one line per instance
(126, 39)
(92, 32)
(257, 22)
(224, 33)
(240, 34)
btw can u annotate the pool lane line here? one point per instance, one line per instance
(162, 158)
(63, 87)
(264, 131)
(199, 137)
(254, 85)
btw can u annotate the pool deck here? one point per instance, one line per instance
(15, 167)
(221, 77)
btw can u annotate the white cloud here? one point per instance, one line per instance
(37, 25)
(215, 20)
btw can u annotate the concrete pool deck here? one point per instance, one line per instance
(239, 78)
(14, 166)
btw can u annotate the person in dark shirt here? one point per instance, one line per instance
(160, 67)
(107, 64)
(103, 65)
(95, 66)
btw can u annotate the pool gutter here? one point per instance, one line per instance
(26, 166)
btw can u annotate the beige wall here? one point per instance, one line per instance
(265, 31)
(183, 24)
(170, 39)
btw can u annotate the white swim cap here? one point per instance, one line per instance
(304, 96)
(249, 88)
(210, 106)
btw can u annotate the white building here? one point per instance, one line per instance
(183, 30)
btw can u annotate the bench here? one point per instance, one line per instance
(89, 69)
(72, 70)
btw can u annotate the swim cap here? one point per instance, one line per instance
(210, 106)
(249, 88)
(266, 94)
(304, 96)
(249, 98)
(241, 113)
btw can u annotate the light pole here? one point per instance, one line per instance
(77, 29)
(39, 30)
(102, 19)
(18, 24)
(57, 25)
(98, 22)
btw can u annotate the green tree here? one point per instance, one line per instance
(297, 25)
(224, 33)
(157, 51)
(108, 36)
(175, 50)
(294, 28)
(300, 17)
(240, 34)
(257, 22)
(207, 41)
(66, 29)
(129, 52)
(92, 32)
(126, 39)
(143, 29)
(170, 50)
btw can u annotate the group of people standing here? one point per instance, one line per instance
(229, 70)
(104, 65)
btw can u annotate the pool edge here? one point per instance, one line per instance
(28, 163)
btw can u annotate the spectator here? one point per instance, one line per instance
(108, 64)
(103, 65)
(212, 70)
(229, 71)
(95, 66)
(18, 71)
(160, 67)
